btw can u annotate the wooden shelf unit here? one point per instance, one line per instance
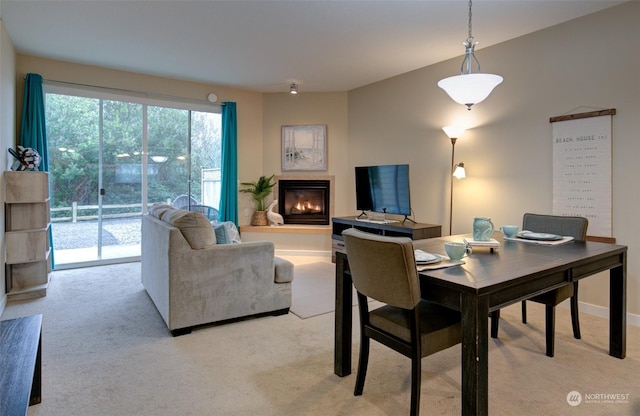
(27, 231)
(415, 231)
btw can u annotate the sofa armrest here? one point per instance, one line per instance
(284, 271)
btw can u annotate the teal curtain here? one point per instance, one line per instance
(33, 131)
(229, 192)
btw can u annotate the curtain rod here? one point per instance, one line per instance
(147, 94)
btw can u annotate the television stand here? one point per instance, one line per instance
(411, 229)
(406, 218)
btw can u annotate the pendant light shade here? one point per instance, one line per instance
(470, 87)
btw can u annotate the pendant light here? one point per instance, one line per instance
(470, 87)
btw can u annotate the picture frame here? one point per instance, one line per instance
(304, 148)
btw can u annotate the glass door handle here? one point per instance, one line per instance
(102, 191)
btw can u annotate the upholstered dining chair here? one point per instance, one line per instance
(384, 268)
(575, 227)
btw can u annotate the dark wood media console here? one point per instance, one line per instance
(415, 231)
(20, 364)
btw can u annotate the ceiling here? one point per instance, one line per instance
(266, 45)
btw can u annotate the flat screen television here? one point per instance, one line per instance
(384, 189)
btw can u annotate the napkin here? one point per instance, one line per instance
(440, 265)
(541, 242)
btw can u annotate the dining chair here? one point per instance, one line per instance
(575, 227)
(384, 268)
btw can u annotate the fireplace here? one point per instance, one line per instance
(304, 201)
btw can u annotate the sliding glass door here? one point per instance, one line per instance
(111, 158)
(120, 180)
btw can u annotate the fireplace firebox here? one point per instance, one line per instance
(304, 201)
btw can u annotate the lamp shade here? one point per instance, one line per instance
(454, 132)
(459, 171)
(470, 89)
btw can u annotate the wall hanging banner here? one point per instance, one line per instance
(582, 168)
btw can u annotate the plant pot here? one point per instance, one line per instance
(259, 218)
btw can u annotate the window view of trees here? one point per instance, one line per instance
(99, 144)
(74, 130)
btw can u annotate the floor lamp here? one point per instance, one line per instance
(454, 132)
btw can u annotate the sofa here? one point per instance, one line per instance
(194, 276)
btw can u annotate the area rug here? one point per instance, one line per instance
(313, 289)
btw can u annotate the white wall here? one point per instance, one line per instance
(7, 129)
(589, 63)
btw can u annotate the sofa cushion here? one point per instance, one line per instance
(194, 226)
(158, 210)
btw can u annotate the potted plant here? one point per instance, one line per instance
(259, 190)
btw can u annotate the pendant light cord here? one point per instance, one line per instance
(470, 38)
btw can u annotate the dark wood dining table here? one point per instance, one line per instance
(490, 280)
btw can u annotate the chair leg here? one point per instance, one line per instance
(575, 322)
(416, 373)
(363, 362)
(550, 317)
(524, 311)
(495, 321)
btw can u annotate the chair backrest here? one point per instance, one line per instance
(575, 227)
(383, 268)
(183, 201)
(210, 212)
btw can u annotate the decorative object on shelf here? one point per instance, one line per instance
(274, 218)
(304, 147)
(457, 171)
(482, 228)
(28, 158)
(259, 190)
(293, 88)
(470, 87)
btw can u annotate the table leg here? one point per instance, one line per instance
(36, 386)
(343, 317)
(475, 344)
(618, 309)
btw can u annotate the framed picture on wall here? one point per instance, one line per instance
(304, 148)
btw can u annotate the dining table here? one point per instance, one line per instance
(490, 279)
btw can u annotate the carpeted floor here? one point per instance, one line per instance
(106, 351)
(313, 289)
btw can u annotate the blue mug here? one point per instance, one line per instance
(456, 251)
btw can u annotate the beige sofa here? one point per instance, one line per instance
(193, 280)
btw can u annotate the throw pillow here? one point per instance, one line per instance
(221, 234)
(194, 226)
(158, 210)
(233, 235)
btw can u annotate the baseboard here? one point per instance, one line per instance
(601, 312)
(308, 253)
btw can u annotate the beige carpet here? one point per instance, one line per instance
(107, 352)
(313, 289)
